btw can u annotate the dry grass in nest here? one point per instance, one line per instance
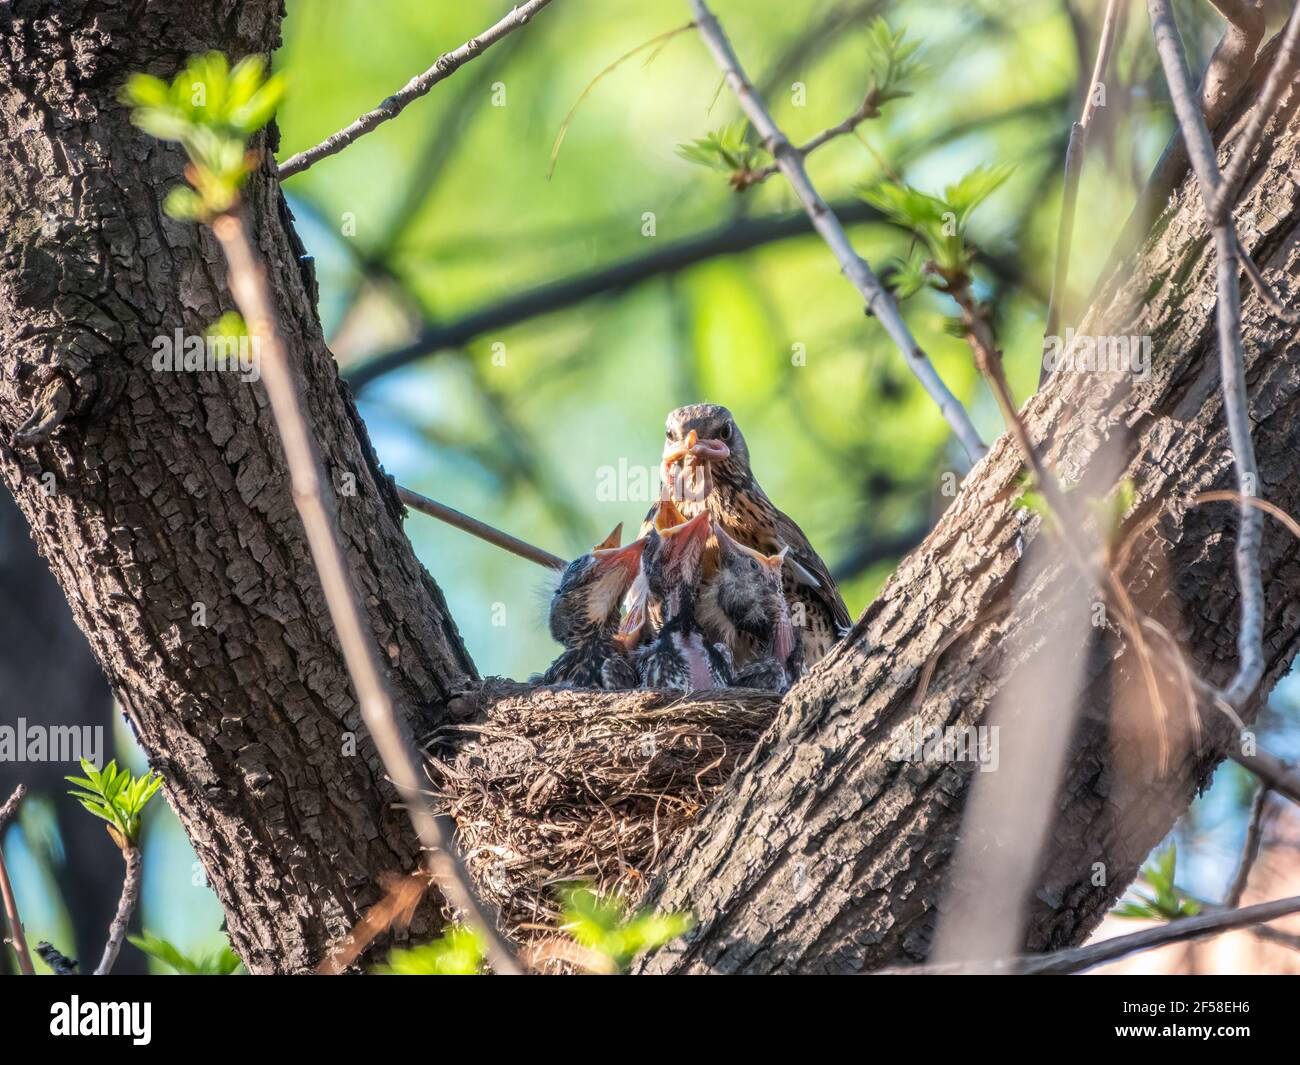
(553, 785)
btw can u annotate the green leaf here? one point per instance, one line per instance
(599, 924)
(457, 952)
(221, 962)
(244, 80)
(976, 187)
(144, 90)
(261, 106)
(115, 795)
(723, 149)
(911, 275)
(892, 60)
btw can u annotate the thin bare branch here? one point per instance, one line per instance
(1073, 171)
(869, 108)
(1265, 291)
(248, 285)
(482, 530)
(878, 300)
(393, 106)
(1249, 850)
(126, 904)
(1277, 774)
(16, 937)
(1078, 959)
(1250, 651)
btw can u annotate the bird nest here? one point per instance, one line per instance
(551, 785)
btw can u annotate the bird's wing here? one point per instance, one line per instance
(815, 574)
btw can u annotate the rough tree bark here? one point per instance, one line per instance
(822, 854)
(171, 527)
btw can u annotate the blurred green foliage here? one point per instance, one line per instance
(211, 110)
(1167, 902)
(219, 962)
(457, 952)
(601, 924)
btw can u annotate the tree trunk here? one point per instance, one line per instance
(171, 494)
(169, 522)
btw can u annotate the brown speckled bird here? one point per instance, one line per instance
(584, 614)
(706, 467)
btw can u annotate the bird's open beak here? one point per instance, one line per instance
(612, 540)
(678, 536)
(774, 561)
(629, 557)
(668, 515)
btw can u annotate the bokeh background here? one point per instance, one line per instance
(542, 413)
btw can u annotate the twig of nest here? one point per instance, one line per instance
(552, 785)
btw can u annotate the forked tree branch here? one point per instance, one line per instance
(878, 300)
(251, 292)
(393, 106)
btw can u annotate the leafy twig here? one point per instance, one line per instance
(878, 300)
(393, 106)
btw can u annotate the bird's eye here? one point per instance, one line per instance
(668, 433)
(725, 432)
(753, 563)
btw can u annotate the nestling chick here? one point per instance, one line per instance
(742, 607)
(584, 611)
(706, 465)
(678, 656)
(642, 612)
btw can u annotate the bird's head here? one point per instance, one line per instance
(673, 559)
(702, 445)
(748, 586)
(592, 588)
